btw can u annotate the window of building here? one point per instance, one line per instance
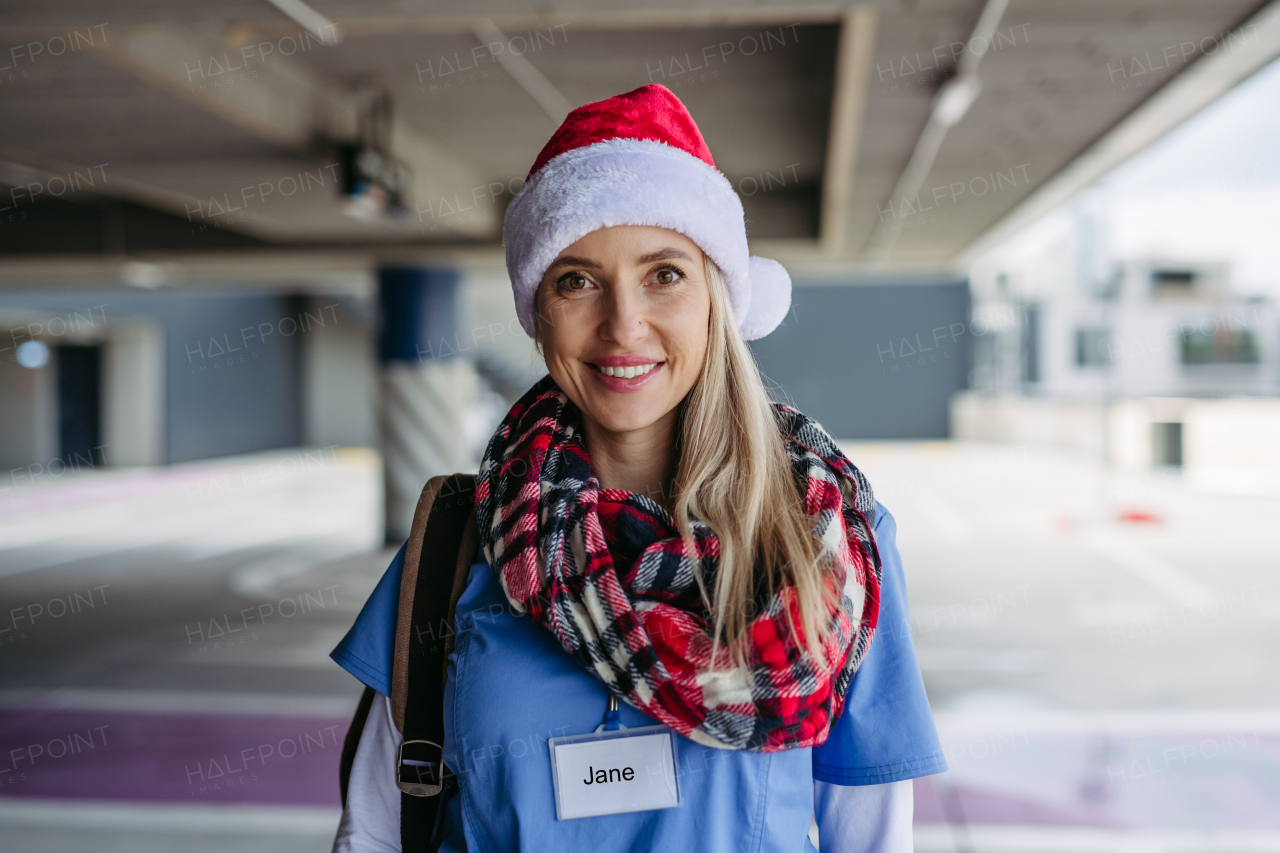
(1093, 346)
(1029, 343)
(1166, 445)
(1175, 283)
(1222, 346)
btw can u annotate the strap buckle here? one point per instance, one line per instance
(420, 773)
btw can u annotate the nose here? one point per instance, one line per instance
(624, 322)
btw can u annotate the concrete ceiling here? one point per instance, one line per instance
(206, 136)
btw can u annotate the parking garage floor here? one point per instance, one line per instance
(1099, 650)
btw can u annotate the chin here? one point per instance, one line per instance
(625, 412)
(622, 416)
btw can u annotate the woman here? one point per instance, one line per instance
(653, 529)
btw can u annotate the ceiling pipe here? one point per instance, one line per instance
(949, 106)
(309, 19)
(542, 90)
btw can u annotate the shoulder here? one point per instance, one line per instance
(885, 732)
(884, 523)
(366, 650)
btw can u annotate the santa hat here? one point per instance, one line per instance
(637, 159)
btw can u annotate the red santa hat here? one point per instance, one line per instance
(637, 159)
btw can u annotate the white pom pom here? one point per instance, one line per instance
(770, 298)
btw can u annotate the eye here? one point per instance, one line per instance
(668, 275)
(573, 281)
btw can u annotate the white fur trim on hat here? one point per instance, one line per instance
(639, 182)
(770, 298)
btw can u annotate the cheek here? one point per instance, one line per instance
(554, 352)
(689, 336)
(561, 343)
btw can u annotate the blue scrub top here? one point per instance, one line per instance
(885, 734)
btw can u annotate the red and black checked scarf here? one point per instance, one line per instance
(607, 572)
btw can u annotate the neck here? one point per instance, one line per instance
(641, 461)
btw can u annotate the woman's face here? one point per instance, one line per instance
(631, 301)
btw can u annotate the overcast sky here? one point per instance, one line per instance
(1210, 190)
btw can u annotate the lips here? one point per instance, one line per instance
(622, 376)
(627, 372)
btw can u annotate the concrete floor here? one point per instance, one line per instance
(124, 597)
(1025, 582)
(1099, 650)
(1098, 683)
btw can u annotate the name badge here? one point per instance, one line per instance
(612, 772)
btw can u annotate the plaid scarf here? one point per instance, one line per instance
(608, 573)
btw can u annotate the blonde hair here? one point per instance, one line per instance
(739, 482)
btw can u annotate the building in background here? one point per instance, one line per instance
(1149, 362)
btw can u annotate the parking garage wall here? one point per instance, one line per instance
(232, 362)
(872, 358)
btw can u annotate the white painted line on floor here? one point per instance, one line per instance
(222, 818)
(989, 717)
(941, 838)
(1155, 571)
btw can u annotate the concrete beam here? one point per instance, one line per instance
(293, 269)
(252, 86)
(853, 65)
(584, 19)
(276, 99)
(350, 269)
(31, 175)
(528, 77)
(1238, 56)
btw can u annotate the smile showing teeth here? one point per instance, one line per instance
(628, 372)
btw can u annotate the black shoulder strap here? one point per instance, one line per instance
(421, 769)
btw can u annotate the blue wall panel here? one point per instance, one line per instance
(872, 361)
(235, 374)
(232, 362)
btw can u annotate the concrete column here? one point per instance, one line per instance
(424, 386)
(133, 398)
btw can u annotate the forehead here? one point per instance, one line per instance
(630, 243)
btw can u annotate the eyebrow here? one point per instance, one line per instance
(664, 255)
(574, 261)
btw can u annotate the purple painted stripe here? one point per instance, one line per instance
(1203, 781)
(935, 803)
(130, 755)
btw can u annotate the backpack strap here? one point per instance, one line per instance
(441, 547)
(410, 583)
(408, 587)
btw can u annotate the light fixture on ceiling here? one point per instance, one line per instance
(145, 275)
(375, 184)
(32, 355)
(956, 97)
